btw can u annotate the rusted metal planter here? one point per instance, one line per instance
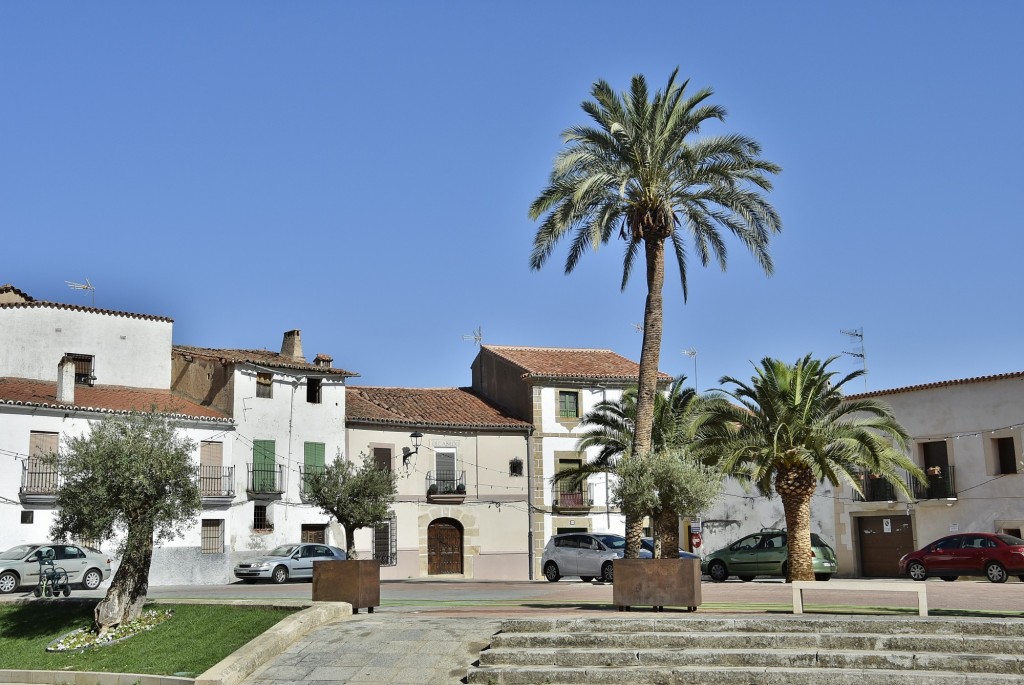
(656, 583)
(356, 581)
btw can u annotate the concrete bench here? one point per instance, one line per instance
(800, 585)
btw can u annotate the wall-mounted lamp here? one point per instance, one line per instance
(417, 440)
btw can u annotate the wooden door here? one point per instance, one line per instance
(444, 547)
(883, 540)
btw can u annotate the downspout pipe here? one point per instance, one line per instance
(529, 499)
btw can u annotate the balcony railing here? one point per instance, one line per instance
(265, 480)
(305, 473)
(941, 484)
(446, 485)
(876, 489)
(565, 495)
(39, 482)
(217, 482)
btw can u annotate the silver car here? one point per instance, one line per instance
(287, 561)
(19, 566)
(587, 555)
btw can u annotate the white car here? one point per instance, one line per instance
(287, 561)
(19, 566)
(587, 555)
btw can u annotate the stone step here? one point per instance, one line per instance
(1009, 663)
(922, 642)
(776, 624)
(715, 675)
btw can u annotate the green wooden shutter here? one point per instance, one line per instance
(264, 466)
(313, 456)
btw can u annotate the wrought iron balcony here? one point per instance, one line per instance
(876, 489)
(217, 484)
(305, 473)
(265, 480)
(446, 486)
(566, 496)
(39, 482)
(941, 484)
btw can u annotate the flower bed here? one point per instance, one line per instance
(84, 638)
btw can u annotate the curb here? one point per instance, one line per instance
(232, 670)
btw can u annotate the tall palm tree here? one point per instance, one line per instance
(678, 415)
(641, 174)
(793, 429)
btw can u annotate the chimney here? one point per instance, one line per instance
(292, 345)
(66, 380)
(323, 361)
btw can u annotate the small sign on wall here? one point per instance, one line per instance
(954, 528)
(886, 525)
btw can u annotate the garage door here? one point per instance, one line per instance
(883, 540)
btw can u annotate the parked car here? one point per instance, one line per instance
(765, 554)
(587, 555)
(86, 567)
(992, 555)
(647, 550)
(287, 561)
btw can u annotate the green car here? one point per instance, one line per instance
(765, 554)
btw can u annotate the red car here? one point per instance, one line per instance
(993, 555)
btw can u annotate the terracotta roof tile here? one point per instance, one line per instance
(105, 399)
(79, 308)
(559, 362)
(455, 407)
(940, 384)
(8, 288)
(261, 358)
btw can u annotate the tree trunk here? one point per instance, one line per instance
(668, 532)
(126, 595)
(634, 531)
(796, 485)
(350, 541)
(651, 348)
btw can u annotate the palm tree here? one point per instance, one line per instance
(793, 428)
(678, 415)
(640, 173)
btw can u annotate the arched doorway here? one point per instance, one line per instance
(444, 547)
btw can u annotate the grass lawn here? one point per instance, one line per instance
(194, 639)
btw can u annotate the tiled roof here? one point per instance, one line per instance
(79, 308)
(454, 407)
(940, 384)
(105, 399)
(8, 288)
(560, 362)
(260, 358)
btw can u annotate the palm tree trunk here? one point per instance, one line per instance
(795, 485)
(126, 595)
(668, 531)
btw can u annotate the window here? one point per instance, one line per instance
(264, 384)
(213, 536)
(1006, 454)
(83, 368)
(69, 552)
(28, 516)
(385, 541)
(312, 460)
(314, 533)
(515, 467)
(261, 519)
(264, 466)
(1015, 532)
(382, 458)
(313, 390)
(41, 477)
(444, 465)
(211, 472)
(568, 404)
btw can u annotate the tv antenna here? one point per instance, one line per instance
(857, 340)
(476, 336)
(84, 286)
(691, 352)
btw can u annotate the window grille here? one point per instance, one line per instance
(213, 536)
(385, 541)
(260, 518)
(83, 368)
(515, 467)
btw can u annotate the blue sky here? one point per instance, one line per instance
(362, 172)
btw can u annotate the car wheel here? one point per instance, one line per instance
(823, 577)
(92, 579)
(279, 575)
(607, 574)
(586, 579)
(718, 572)
(551, 572)
(917, 571)
(949, 579)
(1020, 578)
(8, 582)
(995, 572)
(746, 579)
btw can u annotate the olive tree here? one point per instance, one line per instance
(133, 477)
(356, 497)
